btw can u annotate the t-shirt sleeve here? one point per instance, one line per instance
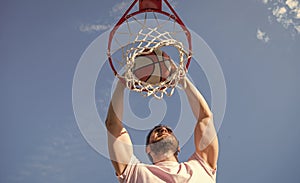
(129, 170)
(210, 171)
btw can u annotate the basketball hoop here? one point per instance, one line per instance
(142, 31)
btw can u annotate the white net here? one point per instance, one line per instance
(141, 36)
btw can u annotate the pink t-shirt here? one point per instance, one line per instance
(195, 170)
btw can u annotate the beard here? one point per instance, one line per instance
(167, 146)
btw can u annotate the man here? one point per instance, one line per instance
(162, 146)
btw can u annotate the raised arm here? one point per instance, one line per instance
(205, 136)
(119, 143)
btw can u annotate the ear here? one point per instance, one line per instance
(148, 149)
(178, 149)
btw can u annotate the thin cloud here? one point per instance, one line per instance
(94, 27)
(297, 11)
(265, 1)
(262, 36)
(286, 13)
(115, 12)
(119, 8)
(292, 4)
(279, 11)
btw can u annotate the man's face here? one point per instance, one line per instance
(162, 143)
(160, 133)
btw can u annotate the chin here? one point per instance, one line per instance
(164, 146)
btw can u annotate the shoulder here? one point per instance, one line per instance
(130, 170)
(198, 162)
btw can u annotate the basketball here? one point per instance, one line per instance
(154, 67)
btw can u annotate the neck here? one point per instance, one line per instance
(164, 158)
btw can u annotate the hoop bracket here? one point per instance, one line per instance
(150, 4)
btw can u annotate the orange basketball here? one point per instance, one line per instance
(154, 67)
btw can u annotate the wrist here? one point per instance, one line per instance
(121, 85)
(183, 82)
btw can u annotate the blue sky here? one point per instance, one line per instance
(41, 42)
